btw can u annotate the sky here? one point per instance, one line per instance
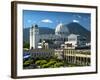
(52, 19)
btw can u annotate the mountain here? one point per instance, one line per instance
(73, 27)
(42, 30)
(26, 34)
(76, 28)
(46, 30)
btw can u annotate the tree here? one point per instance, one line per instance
(26, 63)
(43, 62)
(26, 45)
(45, 66)
(51, 62)
(59, 64)
(40, 62)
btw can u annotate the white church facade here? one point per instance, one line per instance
(61, 37)
(61, 34)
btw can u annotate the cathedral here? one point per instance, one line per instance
(61, 38)
(58, 38)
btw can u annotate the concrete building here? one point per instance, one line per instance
(75, 41)
(61, 34)
(34, 36)
(41, 53)
(72, 56)
(78, 57)
(59, 39)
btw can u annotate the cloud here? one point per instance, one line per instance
(79, 16)
(46, 21)
(29, 21)
(76, 21)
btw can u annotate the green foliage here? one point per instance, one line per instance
(52, 66)
(49, 41)
(59, 64)
(26, 45)
(31, 61)
(45, 66)
(51, 62)
(41, 62)
(47, 63)
(26, 63)
(38, 62)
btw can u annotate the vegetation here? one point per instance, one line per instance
(26, 45)
(40, 62)
(51, 62)
(44, 63)
(45, 66)
(26, 63)
(59, 64)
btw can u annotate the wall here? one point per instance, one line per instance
(5, 40)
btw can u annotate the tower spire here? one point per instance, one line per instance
(34, 36)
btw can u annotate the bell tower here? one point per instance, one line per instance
(34, 37)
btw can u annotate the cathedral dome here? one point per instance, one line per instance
(61, 29)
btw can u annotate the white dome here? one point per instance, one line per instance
(61, 29)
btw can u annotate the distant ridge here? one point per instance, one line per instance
(42, 30)
(74, 28)
(46, 30)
